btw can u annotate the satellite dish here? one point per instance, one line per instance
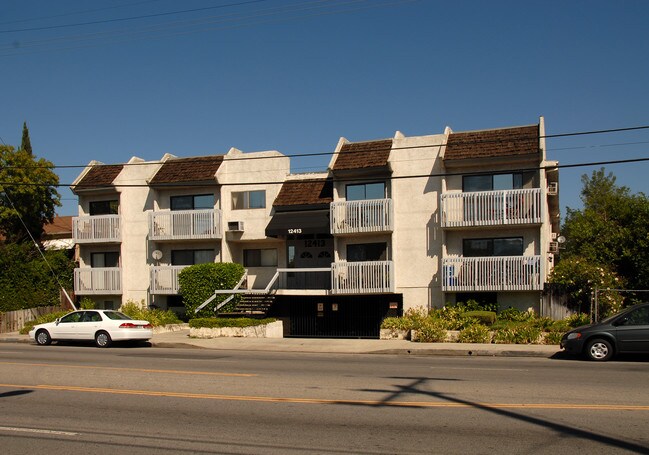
(157, 255)
(561, 239)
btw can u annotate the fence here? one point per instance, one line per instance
(13, 321)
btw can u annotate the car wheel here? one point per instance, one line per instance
(599, 350)
(102, 339)
(43, 338)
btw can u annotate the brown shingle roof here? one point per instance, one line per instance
(360, 155)
(99, 176)
(195, 169)
(61, 226)
(305, 192)
(493, 143)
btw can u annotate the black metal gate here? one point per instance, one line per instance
(336, 317)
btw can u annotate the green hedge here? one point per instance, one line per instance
(211, 323)
(198, 283)
(485, 317)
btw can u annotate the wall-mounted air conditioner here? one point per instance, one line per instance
(235, 226)
(553, 188)
(553, 247)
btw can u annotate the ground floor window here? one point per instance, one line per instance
(260, 257)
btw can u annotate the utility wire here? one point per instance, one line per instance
(301, 155)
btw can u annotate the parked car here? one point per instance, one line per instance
(102, 326)
(625, 332)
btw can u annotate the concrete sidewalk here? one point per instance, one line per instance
(181, 339)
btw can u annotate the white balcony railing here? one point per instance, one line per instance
(164, 279)
(372, 277)
(98, 280)
(506, 273)
(185, 225)
(96, 229)
(488, 208)
(371, 215)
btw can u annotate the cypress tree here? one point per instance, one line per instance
(26, 143)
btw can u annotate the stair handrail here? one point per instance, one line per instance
(217, 292)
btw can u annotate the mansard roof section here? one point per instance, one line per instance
(363, 155)
(187, 170)
(308, 191)
(517, 142)
(97, 176)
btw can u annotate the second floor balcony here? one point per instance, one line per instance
(96, 229)
(506, 273)
(98, 281)
(185, 225)
(491, 208)
(371, 215)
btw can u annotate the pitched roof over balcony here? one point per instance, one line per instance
(519, 142)
(363, 155)
(314, 192)
(98, 176)
(183, 170)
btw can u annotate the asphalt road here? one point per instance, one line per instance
(134, 400)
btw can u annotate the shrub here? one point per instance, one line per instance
(50, 317)
(198, 283)
(519, 334)
(431, 331)
(212, 323)
(156, 316)
(415, 317)
(553, 337)
(476, 333)
(485, 317)
(87, 304)
(514, 314)
(393, 323)
(577, 320)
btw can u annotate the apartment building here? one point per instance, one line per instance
(392, 224)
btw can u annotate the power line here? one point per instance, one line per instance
(355, 179)
(300, 155)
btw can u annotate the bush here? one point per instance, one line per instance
(519, 334)
(415, 317)
(577, 320)
(87, 304)
(393, 323)
(50, 317)
(553, 338)
(485, 317)
(198, 283)
(156, 317)
(476, 333)
(514, 314)
(431, 331)
(212, 323)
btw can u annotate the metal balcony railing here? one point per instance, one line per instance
(489, 208)
(506, 273)
(164, 279)
(96, 229)
(371, 215)
(371, 277)
(185, 225)
(98, 280)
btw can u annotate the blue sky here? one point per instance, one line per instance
(295, 75)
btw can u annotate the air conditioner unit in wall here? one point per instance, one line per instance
(235, 226)
(553, 188)
(553, 247)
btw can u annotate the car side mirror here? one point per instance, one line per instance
(57, 320)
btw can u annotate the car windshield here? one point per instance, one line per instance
(115, 315)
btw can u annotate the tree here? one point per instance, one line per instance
(26, 143)
(610, 233)
(27, 191)
(198, 283)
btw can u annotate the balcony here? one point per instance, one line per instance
(491, 208)
(352, 217)
(96, 229)
(98, 281)
(372, 277)
(185, 225)
(164, 279)
(507, 273)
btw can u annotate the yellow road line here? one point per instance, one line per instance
(421, 404)
(143, 370)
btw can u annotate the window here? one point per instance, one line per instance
(72, 317)
(260, 258)
(492, 247)
(365, 191)
(191, 257)
(494, 182)
(367, 252)
(104, 207)
(192, 202)
(248, 200)
(638, 317)
(107, 259)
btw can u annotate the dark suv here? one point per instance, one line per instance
(625, 332)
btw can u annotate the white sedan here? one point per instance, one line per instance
(103, 326)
